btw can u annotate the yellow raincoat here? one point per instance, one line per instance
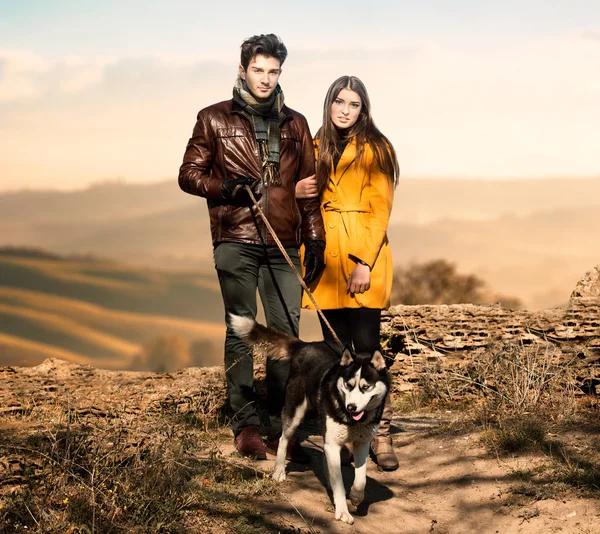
(356, 208)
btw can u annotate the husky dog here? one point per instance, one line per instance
(347, 394)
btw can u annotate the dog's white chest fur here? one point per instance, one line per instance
(342, 434)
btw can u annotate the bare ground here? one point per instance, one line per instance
(448, 482)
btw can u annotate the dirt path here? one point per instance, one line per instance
(448, 485)
(447, 482)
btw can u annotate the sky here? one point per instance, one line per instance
(94, 91)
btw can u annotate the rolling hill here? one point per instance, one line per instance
(531, 239)
(100, 312)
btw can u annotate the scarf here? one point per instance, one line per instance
(265, 117)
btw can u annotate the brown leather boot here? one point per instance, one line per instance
(383, 452)
(382, 447)
(249, 443)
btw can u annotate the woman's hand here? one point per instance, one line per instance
(307, 187)
(360, 279)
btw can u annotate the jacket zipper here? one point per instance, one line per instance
(262, 233)
(266, 188)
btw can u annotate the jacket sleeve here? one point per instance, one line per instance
(312, 222)
(381, 197)
(195, 174)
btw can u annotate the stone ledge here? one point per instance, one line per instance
(450, 336)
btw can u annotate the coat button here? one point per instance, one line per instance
(332, 225)
(334, 254)
(334, 198)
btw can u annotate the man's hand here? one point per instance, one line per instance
(307, 188)
(314, 260)
(234, 190)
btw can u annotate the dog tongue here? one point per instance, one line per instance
(357, 416)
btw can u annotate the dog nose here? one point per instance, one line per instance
(351, 408)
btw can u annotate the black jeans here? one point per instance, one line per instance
(357, 328)
(242, 269)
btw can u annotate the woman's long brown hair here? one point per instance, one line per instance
(364, 130)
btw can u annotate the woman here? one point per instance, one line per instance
(357, 170)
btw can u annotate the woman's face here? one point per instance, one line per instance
(346, 109)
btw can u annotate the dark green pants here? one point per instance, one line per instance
(242, 269)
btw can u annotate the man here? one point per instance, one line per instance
(254, 140)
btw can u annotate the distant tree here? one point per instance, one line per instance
(165, 353)
(438, 282)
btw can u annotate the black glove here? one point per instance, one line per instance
(314, 260)
(234, 191)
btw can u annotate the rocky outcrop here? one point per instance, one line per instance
(589, 285)
(451, 336)
(97, 392)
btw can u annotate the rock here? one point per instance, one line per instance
(589, 285)
(457, 334)
(52, 367)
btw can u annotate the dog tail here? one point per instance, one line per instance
(273, 343)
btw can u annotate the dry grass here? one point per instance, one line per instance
(524, 398)
(118, 473)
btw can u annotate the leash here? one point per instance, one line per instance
(291, 264)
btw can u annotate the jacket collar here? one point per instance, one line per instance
(285, 112)
(347, 159)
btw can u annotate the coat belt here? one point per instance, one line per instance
(345, 208)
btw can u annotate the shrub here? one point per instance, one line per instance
(438, 282)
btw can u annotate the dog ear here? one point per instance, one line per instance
(377, 361)
(347, 358)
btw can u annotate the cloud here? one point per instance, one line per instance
(18, 72)
(77, 74)
(509, 108)
(26, 76)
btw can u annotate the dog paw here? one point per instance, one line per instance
(279, 474)
(344, 516)
(356, 497)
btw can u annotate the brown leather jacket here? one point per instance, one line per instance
(223, 146)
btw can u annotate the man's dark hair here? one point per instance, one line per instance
(265, 45)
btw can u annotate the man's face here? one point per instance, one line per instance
(261, 76)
